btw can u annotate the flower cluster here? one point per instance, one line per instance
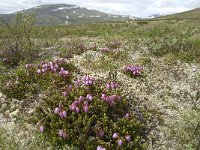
(101, 148)
(111, 85)
(120, 139)
(47, 67)
(111, 100)
(82, 102)
(90, 104)
(86, 80)
(62, 134)
(28, 66)
(60, 111)
(133, 70)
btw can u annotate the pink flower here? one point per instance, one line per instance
(38, 71)
(108, 86)
(61, 114)
(61, 132)
(128, 138)
(57, 109)
(100, 148)
(64, 93)
(86, 109)
(62, 69)
(103, 96)
(89, 97)
(127, 115)
(64, 113)
(64, 135)
(50, 63)
(70, 87)
(115, 136)
(41, 129)
(112, 85)
(28, 65)
(72, 107)
(81, 99)
(56, 66)
(52, 68)
(120, 142)
(77, 109)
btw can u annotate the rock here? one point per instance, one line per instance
(4, 106)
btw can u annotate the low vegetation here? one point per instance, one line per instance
(115, 85)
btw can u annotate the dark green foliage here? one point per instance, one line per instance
(82, 128)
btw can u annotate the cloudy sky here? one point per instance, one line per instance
(140, 8)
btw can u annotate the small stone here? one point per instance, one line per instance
(4, 106)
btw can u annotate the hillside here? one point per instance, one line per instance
(62, 14)
(188, 15)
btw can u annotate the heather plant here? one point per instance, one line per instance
(32, 79)
(133, 71)
(87, 113)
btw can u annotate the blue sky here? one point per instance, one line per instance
(139, 8)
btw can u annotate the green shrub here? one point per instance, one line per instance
(26, 80)
(79, 112)
(17, 45)
(86, 114)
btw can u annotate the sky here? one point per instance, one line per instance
(138, 8)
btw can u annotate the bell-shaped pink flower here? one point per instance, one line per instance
(115, 136)
(38, 71)
(61, 114)
(81, 99)
(103, 96)
(108, 86)
(120, 142)
(89, 97)
(101, 148)
(85, 109)
(64, 113)
(57, 110)
(126, 115)
(77, 109)
(41, 129)
(61, 132)
(128, 138)
(64, 135)
(64, 93)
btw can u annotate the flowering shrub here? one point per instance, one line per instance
(133, 71)
(80, 112)
(35, 78)
(87, 114)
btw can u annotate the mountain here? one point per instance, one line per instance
(155, 15)
(62, 14)
(187, 15)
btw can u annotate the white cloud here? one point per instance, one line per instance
(124, 7)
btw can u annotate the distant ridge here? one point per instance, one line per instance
(63, 14)
(187, 15)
